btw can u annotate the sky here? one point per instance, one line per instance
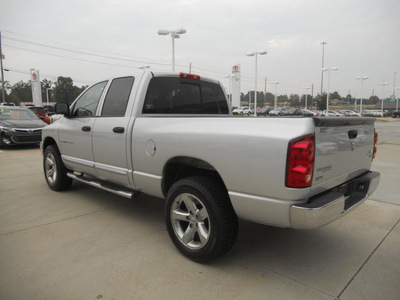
(93, 40)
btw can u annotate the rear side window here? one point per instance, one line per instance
(167, 95)
(117, 97)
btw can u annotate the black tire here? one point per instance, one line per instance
(54, 169)
(200, 219)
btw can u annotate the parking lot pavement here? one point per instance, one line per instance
(89, 244)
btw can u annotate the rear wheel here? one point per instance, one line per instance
(200, 219)
(55, 171)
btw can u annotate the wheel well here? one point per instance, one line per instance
(183, 167)
(49, 141)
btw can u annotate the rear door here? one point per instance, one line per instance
(111, 139)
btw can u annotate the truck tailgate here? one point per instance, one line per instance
(344, 150)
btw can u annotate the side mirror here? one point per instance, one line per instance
(62, 108)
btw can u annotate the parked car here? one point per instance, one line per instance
(41, 113)
(19, 126)
(294, 112)
(7, 104)
(308, 113)
(332, 113)
(396, 114)
(264, 111)
(243, 110)
(349, 113)
(49, 109)
(27, 105)
(276, 112)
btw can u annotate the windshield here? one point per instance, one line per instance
(17, 114)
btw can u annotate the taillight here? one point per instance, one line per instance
(189, 76)
(300, 162)
(375, 142)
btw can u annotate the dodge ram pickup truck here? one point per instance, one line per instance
(172, 135)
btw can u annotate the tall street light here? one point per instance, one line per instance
(383, 90)
(175, 34)
(229, 87)
(263, 52)
(275, 103)
(329, 79)
(306, 89)
(397, 100)
(362, 78)
(322, 72)
(47, 95)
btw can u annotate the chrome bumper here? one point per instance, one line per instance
(327, 207)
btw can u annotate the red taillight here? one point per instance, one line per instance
(189, 76)
(375, 142)
(300, 162)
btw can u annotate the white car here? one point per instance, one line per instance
(243, 110)
(332, 113)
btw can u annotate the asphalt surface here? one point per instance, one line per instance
(89, 244)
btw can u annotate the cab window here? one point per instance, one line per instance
(87, 104)
(167, 95)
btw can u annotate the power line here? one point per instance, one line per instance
(86, 53)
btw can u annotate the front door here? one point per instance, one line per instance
(75, 131)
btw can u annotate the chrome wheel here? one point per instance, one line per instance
(190, 221)
(50, 168)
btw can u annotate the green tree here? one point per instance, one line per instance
(21, 92)
(334, 95)
(64, 89)
(269, 98)
(321, 101)
(294, 100)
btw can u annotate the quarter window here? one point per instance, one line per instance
(87, 104)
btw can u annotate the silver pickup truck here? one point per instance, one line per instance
(172, 135)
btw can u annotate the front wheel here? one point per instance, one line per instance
(200, 219)
(55, 171)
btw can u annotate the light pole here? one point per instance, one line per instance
(47, 95)
(229, 87)
(306, 89)
(397, 100)
(263, 52)
(329, 79)
(275, 103)
(175, 34)
(322, 72)
(383, 90)
(355, 101)
(362, 78)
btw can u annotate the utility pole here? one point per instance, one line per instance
(2, 72)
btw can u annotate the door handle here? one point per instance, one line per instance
(119, 129)
(86, 128)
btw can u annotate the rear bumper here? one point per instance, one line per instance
(327, 207)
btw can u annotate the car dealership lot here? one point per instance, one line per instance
(89, 244)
